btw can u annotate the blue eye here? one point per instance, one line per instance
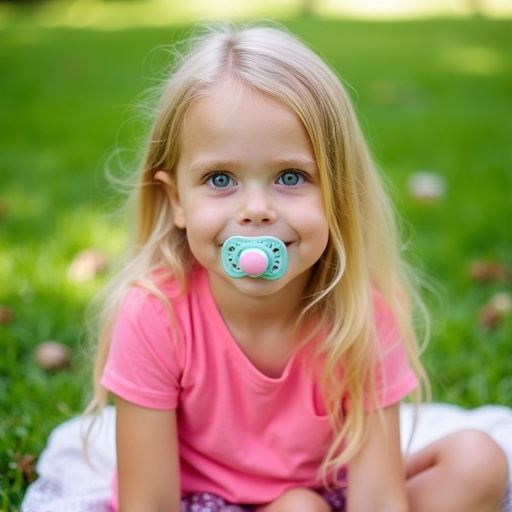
(220, 180)
(291, 178)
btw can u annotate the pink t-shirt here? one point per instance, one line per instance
(242, 435)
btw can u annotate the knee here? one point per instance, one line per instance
(298, 500)
(480, 461)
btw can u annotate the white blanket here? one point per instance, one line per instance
(68, 483)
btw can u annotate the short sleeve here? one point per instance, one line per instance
(144, 365)
(394, 377)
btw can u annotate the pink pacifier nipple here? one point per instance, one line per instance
(260, 256)
(253, 262)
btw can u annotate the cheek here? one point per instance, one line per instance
(322, 239)
(313, 221)
(203, 223)
(317, 231)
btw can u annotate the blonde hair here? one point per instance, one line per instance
(363, 252)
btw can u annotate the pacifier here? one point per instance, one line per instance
(260, 256)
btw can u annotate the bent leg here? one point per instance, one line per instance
(463, 472)
(297, 500)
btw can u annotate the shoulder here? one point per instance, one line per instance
(386, 324)
(150, 342)
(164, 311)
(161, 294)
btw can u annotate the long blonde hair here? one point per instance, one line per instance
(363, 252)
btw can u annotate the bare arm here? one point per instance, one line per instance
(376, 476)
(147, 457)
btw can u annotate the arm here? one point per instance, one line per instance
(376, 477)
(147, 458)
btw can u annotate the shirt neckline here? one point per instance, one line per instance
(228, 340)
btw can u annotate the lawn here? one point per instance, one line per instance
(432, 95)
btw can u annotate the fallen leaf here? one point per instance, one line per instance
(493, 313)
(26, 466)
(52, 356)
(87, 265)
(489, 271)
(6, 314)
(489, 318)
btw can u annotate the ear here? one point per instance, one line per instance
(171, 190)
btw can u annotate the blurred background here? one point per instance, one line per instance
(432, 84)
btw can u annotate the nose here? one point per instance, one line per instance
(256, 207)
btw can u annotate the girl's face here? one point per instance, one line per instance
(247, 168)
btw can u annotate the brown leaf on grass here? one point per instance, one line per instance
(6, 314)
(489, 318)
(493, 313)
(86, 265)
(26, 466)
(52, 356)
(489, 271)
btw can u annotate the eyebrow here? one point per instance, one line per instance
(296, 162)
(306, 164)
(208, 165)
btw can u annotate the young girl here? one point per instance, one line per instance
(259, 338)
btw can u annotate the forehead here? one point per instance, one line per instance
(233, 119)
(224, 101)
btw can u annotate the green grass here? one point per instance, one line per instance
(433, 95)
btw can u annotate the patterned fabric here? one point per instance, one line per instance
(207, 502)
(336, 498)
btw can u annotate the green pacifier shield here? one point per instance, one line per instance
(262, 256)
